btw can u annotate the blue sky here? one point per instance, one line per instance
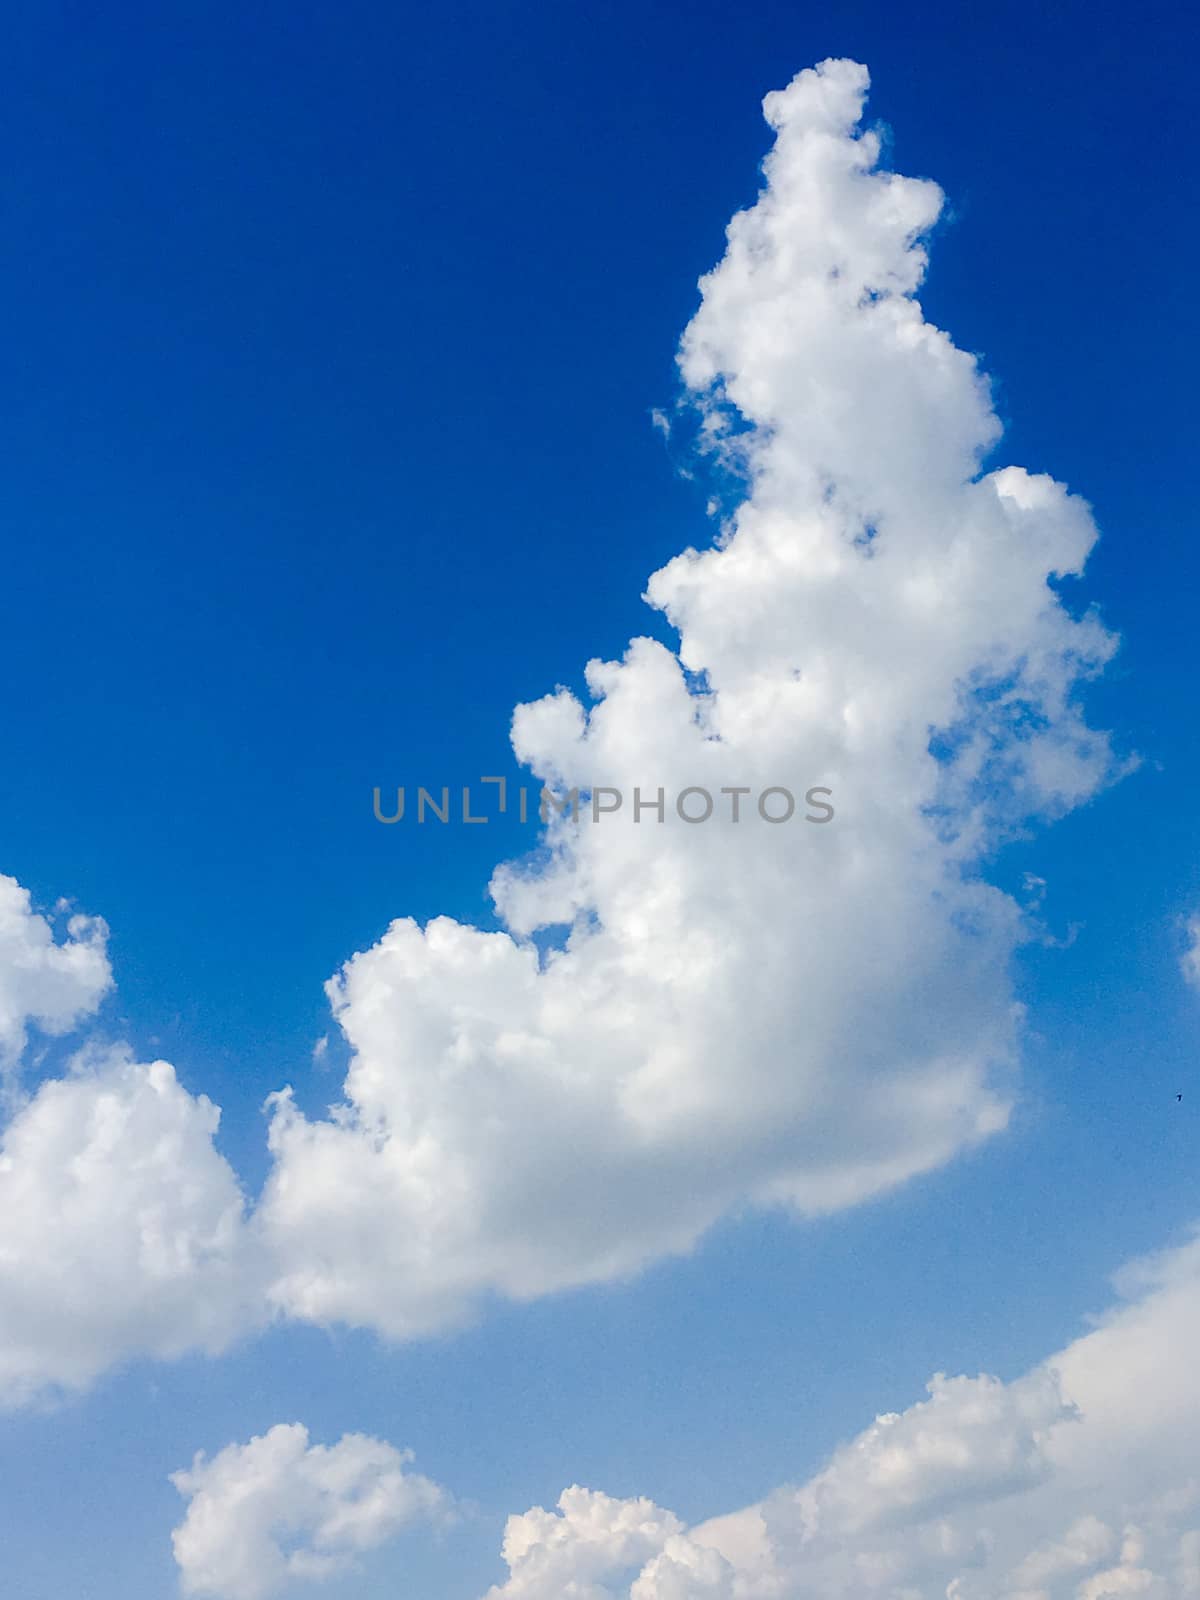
(333, 344)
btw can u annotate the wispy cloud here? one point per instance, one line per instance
(1190, 959)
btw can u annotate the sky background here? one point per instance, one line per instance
(333, 337)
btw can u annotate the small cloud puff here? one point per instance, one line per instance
(279, 1509)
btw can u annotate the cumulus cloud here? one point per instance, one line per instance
(798, 1014)
(279, 1510)
(121, 1229)
(971, 1438)
(1078, 1481)
(52, 983)
(563, 1553)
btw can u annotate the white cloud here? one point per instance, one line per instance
(804, 1014)
(800, 1015)
(562, 1554)
(1190, 960)
(973, 1437)
(277, 1510)
(121, 1229)
(1077, 1482)
(48, 982)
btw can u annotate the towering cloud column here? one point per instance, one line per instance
(738, 1012)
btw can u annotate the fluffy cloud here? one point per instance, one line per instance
(971, 1438)
(121, 1229)
(1076, 1482)
(278, 1509)
(51, 983)
(797, 1014)
(591, 1534)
